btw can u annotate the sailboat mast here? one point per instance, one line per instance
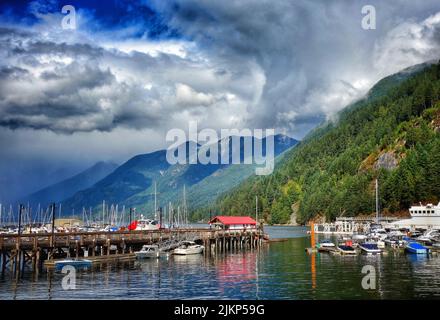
(256, 209)
(103, 211)
(155, 200)
(377, 201)
(185, 212)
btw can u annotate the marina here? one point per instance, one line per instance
(277, 270)
(32, 250)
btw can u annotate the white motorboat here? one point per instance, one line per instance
(429, 236)
(325, 246)
(370, 248)
(346, 250)
(380, 244)
(148, 251)
(147, 224)
(189, 247)
(359, 236)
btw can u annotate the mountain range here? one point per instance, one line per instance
(132, 184)
(68, 187)
(392, 134)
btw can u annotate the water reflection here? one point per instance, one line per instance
(279, 270)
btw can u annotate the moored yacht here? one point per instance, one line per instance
(189, 247)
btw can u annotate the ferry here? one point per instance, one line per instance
(422, 216)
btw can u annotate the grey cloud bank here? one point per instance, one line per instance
(281, 64)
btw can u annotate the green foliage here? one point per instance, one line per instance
(331, 172)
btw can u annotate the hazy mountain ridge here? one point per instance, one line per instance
(68, 187)
(132, 184)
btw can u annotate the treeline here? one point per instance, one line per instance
(331, 173)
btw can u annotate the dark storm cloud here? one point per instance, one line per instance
(255, 63)
(307, 49)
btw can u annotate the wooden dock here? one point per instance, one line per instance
(32, 251)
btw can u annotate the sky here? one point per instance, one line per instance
(131, 70)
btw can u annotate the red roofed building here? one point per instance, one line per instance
(233, 222)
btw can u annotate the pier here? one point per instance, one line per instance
(33, 251)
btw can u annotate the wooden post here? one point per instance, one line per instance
(37, 258)
(3, 261)
(77, 248)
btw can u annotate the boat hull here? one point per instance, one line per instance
(346, 251)
(416, 249)
(369, 250)
(147, 255)
(188, 251)
(77, 264)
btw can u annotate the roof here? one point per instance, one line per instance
(231, 220)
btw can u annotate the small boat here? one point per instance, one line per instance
(370, 248)
(380, 244)
(416, 248)
(346, 250)
(77, 264)
(359, 236)
(189, 247)
(325, 246)
(144, 224)
(148, 251)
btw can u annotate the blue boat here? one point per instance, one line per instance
(416, 248)
(77, 264)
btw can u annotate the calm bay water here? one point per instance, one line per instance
(279, 270)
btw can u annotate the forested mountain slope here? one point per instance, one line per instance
(393, 134)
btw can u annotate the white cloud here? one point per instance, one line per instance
(407, 44)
